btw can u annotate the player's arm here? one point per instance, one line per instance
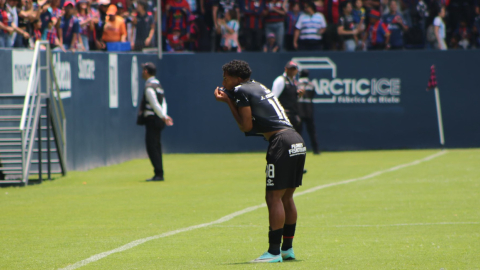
(242, 115)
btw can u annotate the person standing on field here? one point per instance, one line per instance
(258, 112)
(153, 114)
(285, 89)
(305, 108)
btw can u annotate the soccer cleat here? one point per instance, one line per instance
(288, 254)
(268, 258)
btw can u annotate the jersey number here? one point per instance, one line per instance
(278, 109)
(270, 171)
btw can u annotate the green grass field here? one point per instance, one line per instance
(423, 216)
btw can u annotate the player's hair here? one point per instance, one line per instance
(237, 68)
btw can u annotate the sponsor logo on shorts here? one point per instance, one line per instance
(270, 183)
(297, 149)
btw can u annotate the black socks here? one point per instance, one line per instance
(288, 234)
(275, 239)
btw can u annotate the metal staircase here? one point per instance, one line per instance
(32, 126)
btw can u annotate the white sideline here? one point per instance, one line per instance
(362, 225)
(135, 243)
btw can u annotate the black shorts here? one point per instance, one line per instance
(285, 160)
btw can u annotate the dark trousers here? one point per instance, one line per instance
(289, 43)
(309, 45)
(154, 126)
(312, 133)
(295, 121)
(253, 39)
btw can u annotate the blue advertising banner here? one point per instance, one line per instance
(372, 100)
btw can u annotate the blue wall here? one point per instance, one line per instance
(99, 135)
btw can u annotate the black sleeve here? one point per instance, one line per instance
(241, 97)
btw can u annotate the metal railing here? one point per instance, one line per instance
(31, 115)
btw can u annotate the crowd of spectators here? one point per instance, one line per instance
(242, 25)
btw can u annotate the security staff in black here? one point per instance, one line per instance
(258, 112)
(285, 89)
(153, 114)
(305, 108)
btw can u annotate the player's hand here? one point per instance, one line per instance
(220, 95)
(168, 121)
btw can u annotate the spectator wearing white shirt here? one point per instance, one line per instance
(309, 29)
(439, 26)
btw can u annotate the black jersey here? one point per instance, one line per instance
(267, 113)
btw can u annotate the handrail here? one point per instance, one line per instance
(30, 120)
(60, 130)
(62, 111)
(29, 86)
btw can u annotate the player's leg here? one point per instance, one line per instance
(290, 224)
(276, 211)
(296, 167)
(276, 216)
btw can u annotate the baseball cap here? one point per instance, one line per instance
(291, 64)
(374, 14)
(150, 67)
(68, 3)
(112, 10)
(271, 35)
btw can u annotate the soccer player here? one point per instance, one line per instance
(258, 112)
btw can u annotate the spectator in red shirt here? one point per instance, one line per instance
(176, 40)
(177, 15)
(198, 35)
(275, 19)
(252, 23)
(5, 28)
(377, 32)
(332, 40)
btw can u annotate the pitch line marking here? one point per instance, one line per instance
(226, 218)
(360, 225)
(407, 224)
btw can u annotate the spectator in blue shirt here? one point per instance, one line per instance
(309, 29)
(69, 28)
(396, 25)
